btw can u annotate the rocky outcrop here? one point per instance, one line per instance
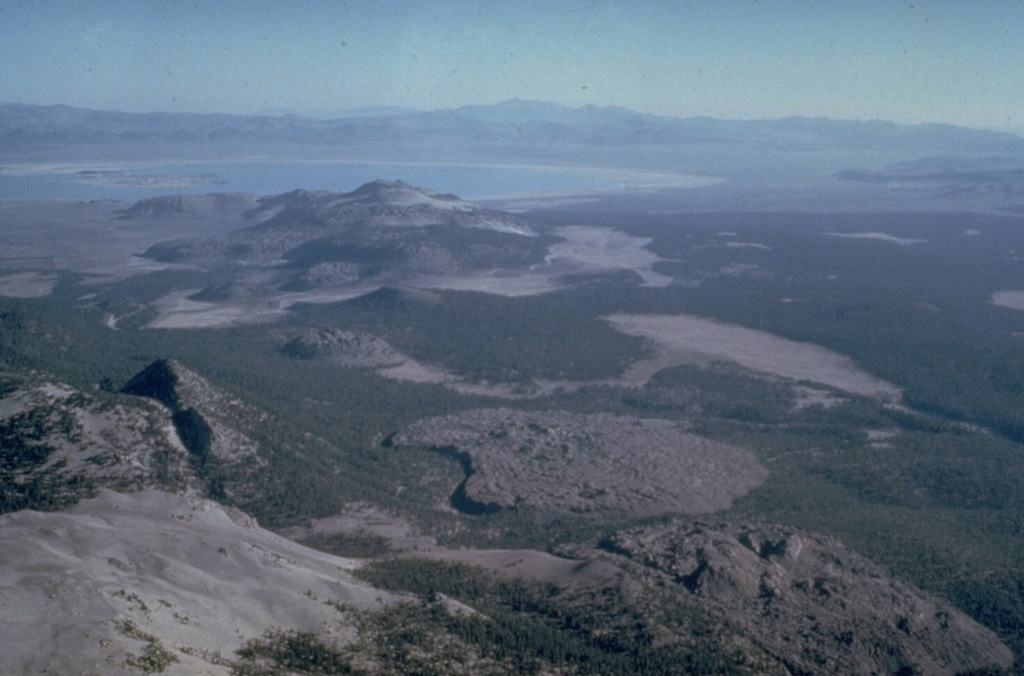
(59, 445)
(805, 599)
(207, 421)
(602, 465)
(344, 348)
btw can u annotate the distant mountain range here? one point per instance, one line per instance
(512, 120)
(513, 131)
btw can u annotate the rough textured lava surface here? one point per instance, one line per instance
(815, 605)
(558, 462)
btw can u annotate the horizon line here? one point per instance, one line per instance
(363, 111)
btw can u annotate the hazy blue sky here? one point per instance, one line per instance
(923, 60)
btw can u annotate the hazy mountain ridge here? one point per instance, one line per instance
(996, 176)
(529, 126)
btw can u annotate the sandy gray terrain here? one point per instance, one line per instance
(1011, 299)
(689, 339)
(119, 579)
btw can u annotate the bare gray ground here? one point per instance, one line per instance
(178, 568)
(404, 539)
(690, 339)
(1011, 299)
(27, 284)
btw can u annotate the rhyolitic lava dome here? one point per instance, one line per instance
(557, 462)
(805, 599)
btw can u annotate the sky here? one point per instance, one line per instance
(910, 61)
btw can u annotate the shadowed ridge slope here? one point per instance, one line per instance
(208, 422)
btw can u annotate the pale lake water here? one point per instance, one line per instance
(130, 182)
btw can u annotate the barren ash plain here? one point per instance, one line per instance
(763, 417)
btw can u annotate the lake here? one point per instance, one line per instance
(134, 181)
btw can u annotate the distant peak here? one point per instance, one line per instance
(399, 193)
(385, 191)
(382, 186)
